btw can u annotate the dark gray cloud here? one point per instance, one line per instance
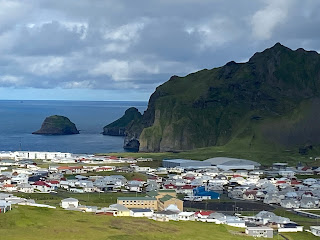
(118, 44)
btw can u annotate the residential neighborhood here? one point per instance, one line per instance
(217, 190)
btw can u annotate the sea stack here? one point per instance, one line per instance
(57, 125)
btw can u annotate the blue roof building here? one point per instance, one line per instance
(201, 191)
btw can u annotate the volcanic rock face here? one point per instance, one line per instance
(239, 103)
(57, 125)
(118, 127)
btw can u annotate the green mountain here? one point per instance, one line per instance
(270, 101)
(118, 127)
(57, 125)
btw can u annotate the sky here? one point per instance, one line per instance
(122, 50)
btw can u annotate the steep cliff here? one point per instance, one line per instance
(253, 100)
(57, 125)
(118, 127)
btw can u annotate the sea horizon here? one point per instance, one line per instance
(22, 117)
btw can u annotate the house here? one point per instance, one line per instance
(9, 187)
(5, 180)
(265, 217)
(25, 188)
(265, 232)
(141, 212)
(309, 181)
(69, 203)
(249, 195)
(120, 210)
(4, 206)
(315, 230)
(289, 203)
(186, 189)
(135, 185)
(309, 202)
(272, 198)
(203, 215)
(215, 217)
(88, 208)
(42, 186)
(290, 227)
(187, 216)
(235, 221)
(166, 215)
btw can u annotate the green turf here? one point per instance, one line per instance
(38, 223)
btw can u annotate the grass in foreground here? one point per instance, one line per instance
(38, 223)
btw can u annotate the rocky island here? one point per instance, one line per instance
(272, 100)
(57, 125)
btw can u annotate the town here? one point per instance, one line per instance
(220, 190)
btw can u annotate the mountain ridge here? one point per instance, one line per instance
(217, 106)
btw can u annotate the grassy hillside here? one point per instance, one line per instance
(39, 223)
(33, 223)
(272, 102)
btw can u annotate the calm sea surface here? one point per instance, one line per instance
(18, 119)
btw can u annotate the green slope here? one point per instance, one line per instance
(268, 102)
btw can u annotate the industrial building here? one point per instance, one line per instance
(225, 163)
(184, 163)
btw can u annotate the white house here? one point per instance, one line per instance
(69, 203)
(166, 215)
(187, 216)
(265, 232)
(289, 203)
(42, 187)
(315, 230)
(25, 188)
(141, 212)
(4, 206)
(309, 202)
(290, 227)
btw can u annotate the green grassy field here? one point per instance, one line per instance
(39, 223)
(26, 223)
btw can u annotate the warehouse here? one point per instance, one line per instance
(225, 163)
(184, 163)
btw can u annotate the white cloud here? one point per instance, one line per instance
(128, 32)
(11, 12)
(79, 84)
(116, 47)
(267, 19)
(120, 70)
(47, 66)
(80, 28)
(11, 80)
(215, 32)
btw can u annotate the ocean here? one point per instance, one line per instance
(20, 118)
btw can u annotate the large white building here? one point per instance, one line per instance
(225, 163)
(20, 155)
